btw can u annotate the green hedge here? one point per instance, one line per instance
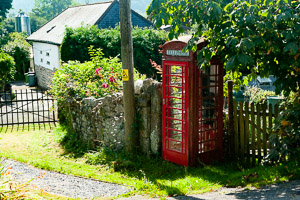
(7, 69)
(146, 44)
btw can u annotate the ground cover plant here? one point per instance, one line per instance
(48, 149)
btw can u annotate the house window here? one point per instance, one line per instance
(41, 52)
(41, 60)
(48, 62)
(47, 54)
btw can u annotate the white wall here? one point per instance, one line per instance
(46, 55)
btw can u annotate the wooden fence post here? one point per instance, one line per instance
(264, 127)
(270, 121)
(242, 131)
(258, 109)
(230, 118)
(253, 146)
(247, 131)
(236, 129)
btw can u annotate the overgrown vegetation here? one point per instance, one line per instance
(286, 138)
(146, 44)
(96, 78)
(7, 69)
(144, 175)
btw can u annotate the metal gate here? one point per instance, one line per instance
(175, 116)
(27, 106)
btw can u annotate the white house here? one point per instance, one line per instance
(47, 40)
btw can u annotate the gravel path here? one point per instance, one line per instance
(61, 184)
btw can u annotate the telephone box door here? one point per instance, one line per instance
(210, 113)
(175, 115)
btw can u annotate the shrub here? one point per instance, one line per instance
(19, 49)
(96, 78)
(146, 44)
(286, 137)
(7, 69)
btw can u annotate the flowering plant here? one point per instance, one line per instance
(108, 71)
(96, 78)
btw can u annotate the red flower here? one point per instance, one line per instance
(111, 79)
(105, 85)
(97, 70)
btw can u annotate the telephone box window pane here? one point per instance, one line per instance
(175, 108)
(176, 146)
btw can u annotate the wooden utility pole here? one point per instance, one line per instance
(128, 81)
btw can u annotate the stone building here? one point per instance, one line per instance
(47, 40)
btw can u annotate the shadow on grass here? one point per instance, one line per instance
(172, 178)
(70, 141)
(27, 127)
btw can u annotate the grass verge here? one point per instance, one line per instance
(43, 148)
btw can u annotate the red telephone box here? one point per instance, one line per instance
(192, 106)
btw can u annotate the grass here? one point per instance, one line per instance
(56, 150)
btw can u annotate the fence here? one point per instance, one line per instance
(21, 107)
(252, 128)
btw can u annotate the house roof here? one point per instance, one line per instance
(53, 31)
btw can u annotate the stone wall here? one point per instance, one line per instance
(44, 76)
(100, 122)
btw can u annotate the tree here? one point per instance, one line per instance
(6, 26)
(5, 5)
(48, 9)
(261, 36)
(19, 49)
(36, 21)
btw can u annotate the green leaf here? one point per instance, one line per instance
(244, 60)
(268, 2)
(265, 13)
(158, 22)
(292, 48)
(230, 64)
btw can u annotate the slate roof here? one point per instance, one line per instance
(92, 14)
